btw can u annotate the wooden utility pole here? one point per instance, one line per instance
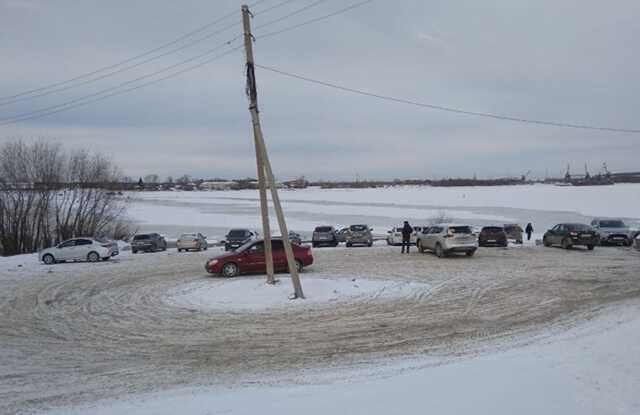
(264, 169)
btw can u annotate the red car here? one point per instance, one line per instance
(250, 258)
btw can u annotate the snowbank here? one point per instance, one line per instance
(256, 295)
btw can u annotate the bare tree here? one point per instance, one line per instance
(47, 196)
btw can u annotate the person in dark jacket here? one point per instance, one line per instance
(407, 230)
(529, 230)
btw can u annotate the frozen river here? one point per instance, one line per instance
(543, 205)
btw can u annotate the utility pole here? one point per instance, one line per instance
(264, 169)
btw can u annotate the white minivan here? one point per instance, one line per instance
(77, 249)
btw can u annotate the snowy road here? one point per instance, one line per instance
(75, 333)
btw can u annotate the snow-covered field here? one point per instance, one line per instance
(525, 330)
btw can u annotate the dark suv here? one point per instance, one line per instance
(148, 242)
(492, 236)
(238, 237)
(570, 234)
(324, 235)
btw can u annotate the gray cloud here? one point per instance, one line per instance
(559, 60)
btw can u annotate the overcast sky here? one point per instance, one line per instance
(560, 60)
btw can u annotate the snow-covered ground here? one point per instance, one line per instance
(593, 369)
(529, 330)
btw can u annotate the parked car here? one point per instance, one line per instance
(250, 258)
(612, 232)
(447, 239)
(359, 235)
(492, 236)
(148, 242)
(195, 241)
(324, 235)
(238, 237)
(514, 232)
(394, 236)
(341, 235)
(77, 249)
(295, 238)
(115, 251)
(637, 242)
(568, 235)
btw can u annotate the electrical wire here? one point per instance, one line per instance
(98, 96)
(83, 101)
(31, 114)
(293, 13)
(448, 109)
(131, 59)
(314, 20)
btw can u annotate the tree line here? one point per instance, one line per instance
(48, 195)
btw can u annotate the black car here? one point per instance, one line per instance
(492, 236)
(238, 237)
(571, 234)
(148, 242)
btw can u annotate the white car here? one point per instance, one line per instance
(394, 236)
(195, 241)
(446, 239)
(77, 249)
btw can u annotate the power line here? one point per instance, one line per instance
(314, 20)
(84, 101)
(293, 13)
(449, 109)
(46, 110)
(100, 95)
(128, 60)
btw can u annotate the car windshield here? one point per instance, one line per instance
(324, 229)
(578, 227)
(460, 229)
(492, 229)
(358, 228)
(612, 224)
(141, 237)
(238, 233)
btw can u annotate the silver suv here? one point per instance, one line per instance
(612, 231)
(359, 235)
(446, 239)
(324, 235)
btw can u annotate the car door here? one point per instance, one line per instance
(253, 258)
(82, 249)
(279, 255)
(557, 235)
(66, 250)
(430, 237)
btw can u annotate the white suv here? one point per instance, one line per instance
(78, 249)
(445, 239)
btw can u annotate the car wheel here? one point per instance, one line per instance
(48, 259)
(93, 257)
(313, 244)
(106, 258)
(439, 251)
(420, 246)
(566, 244)
(590, 247)
(546, 242)
(349, 244)
(135, 251)
(230, 270)
(470, 253)
(370, 244)
(299, 265)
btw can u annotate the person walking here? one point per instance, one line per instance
(529, 230)
(407, 230)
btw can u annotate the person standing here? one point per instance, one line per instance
(407, 230)
(529, 230)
